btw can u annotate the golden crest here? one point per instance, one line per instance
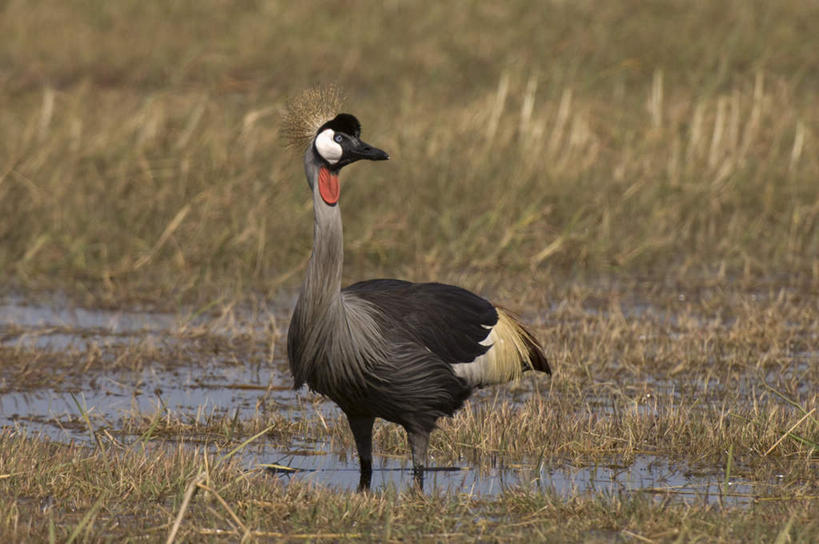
(305, 113)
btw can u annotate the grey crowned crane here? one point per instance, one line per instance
(405, 352)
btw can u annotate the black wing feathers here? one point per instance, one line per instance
(450, 321)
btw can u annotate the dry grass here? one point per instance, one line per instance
(677, 374)
(60, 492)
(638, 181)
(684, 375)
(624, 333)
(141, 155)
(640, 370)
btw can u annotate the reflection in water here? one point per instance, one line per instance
(647, 473)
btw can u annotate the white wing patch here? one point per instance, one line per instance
(327, 148)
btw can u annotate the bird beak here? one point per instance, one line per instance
(363, 150)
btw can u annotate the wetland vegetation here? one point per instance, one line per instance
(637, 181)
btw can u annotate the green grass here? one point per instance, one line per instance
(141, 157)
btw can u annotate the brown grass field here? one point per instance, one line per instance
(639, 181)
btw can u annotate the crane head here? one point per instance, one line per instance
(311, 122)
(338, 143)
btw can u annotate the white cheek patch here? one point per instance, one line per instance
(327, 148)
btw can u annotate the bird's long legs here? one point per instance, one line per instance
(362, 427)
(418, 442)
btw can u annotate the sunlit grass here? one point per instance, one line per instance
(142, 157)
(687, 376)
(63, 490)
(638, 181)
(720, 381)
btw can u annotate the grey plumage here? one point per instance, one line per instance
(408, 353)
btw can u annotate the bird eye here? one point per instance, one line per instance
(338, 138)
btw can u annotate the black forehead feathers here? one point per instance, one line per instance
(343, 122)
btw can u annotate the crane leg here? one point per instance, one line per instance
(362, 427)
(418, 442)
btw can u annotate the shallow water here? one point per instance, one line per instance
(15, 311)
(647, 474)
(195, 389)
(56, 415)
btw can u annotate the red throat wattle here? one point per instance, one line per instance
(328, 186)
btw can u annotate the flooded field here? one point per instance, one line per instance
(211, 380)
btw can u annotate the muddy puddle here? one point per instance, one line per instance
(197, 389)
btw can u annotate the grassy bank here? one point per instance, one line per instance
(140, 157)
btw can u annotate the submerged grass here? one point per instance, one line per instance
(720, 337)
(720, 381)
(742, 437)
(634, 371)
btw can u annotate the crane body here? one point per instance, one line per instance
(405, 352)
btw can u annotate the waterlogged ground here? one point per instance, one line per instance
(214, 377)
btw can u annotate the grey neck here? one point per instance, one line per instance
(332, 338)
(322, 283)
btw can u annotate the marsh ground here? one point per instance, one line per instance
(637, 181)
(690, 415)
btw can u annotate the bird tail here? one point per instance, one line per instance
(519, 345)
(512, 351)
